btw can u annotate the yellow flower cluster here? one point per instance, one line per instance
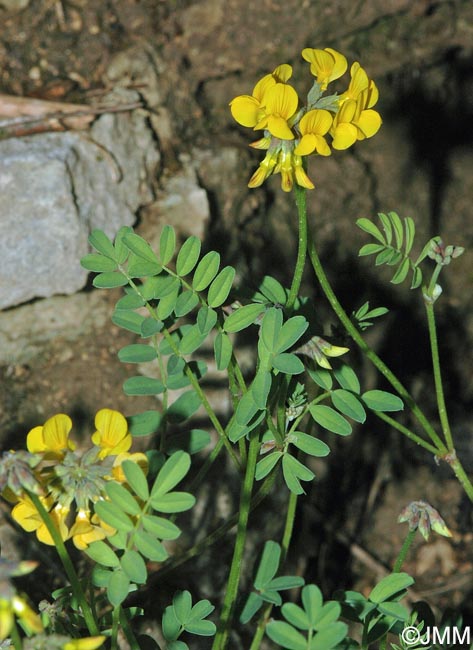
(70, 481)
(293, 130)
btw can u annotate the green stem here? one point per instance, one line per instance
(126, 627)
(221, 637)
(442, 409)
(87, 613)
(15, 636)
(369, 353)
(289, 526)
(403, 552)
(460, 473)
(301, 248)
(214, 536)
(407, 432)
(115, 626)
(286, 540)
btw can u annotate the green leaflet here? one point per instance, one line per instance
(98, 263)
(380, 400)
(223, 350)
(110, 280)
(188, 256)
(243, 317)
(140, 385)
(99, 240)
(206, 271)
(137, 353)
(167, 244)
(220, 287)
(330, 419)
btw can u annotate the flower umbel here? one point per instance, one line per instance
(293, 130)
(68, 481)
(421, 515)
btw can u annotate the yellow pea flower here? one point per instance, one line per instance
(248, 110)
(26, 515)
(88, 643)
(86, 530)
(313, 126)
(51, 439)
(326, 65)
(137, 457)
(112, 434)
(281, 102)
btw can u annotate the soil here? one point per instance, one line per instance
(346, 530)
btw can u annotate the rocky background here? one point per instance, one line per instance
(180, 159)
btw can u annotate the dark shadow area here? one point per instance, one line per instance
(439, 120)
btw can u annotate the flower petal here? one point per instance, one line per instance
(316, 121)
(56, 431)
(245, 110)
(369, 123)
(344, 136)
(278, 127)
(281, 100)
(282, 73)
(35, 440)
(306, 146)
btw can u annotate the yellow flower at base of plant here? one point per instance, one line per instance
(88, 643)
(137, 457)
(313, 126)
(112, 434)
(52, 438)
(326, 65)
(26, 515)
(86, 530)
(16, 606)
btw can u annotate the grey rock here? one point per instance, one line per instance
(56, 188)
(26, 330)
(14, 5)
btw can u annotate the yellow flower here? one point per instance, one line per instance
(355, 119)
(326, 65)
(52, 438)
(354, 122)
(88, 643)
(248, 110)
(290, 167)
(358, 83)
(25, 514)
(18, 606)
(281, 102)
(313, 126)
(265, 169)
(112, 433)
(86, 530)
(137, 457)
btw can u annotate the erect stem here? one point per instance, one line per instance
(369, 352)
(115, 626)
(286, 540)
(301, 248)
(89, 617)
(221, 637)
(442, 409)
(403, 552)
(15, 636)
